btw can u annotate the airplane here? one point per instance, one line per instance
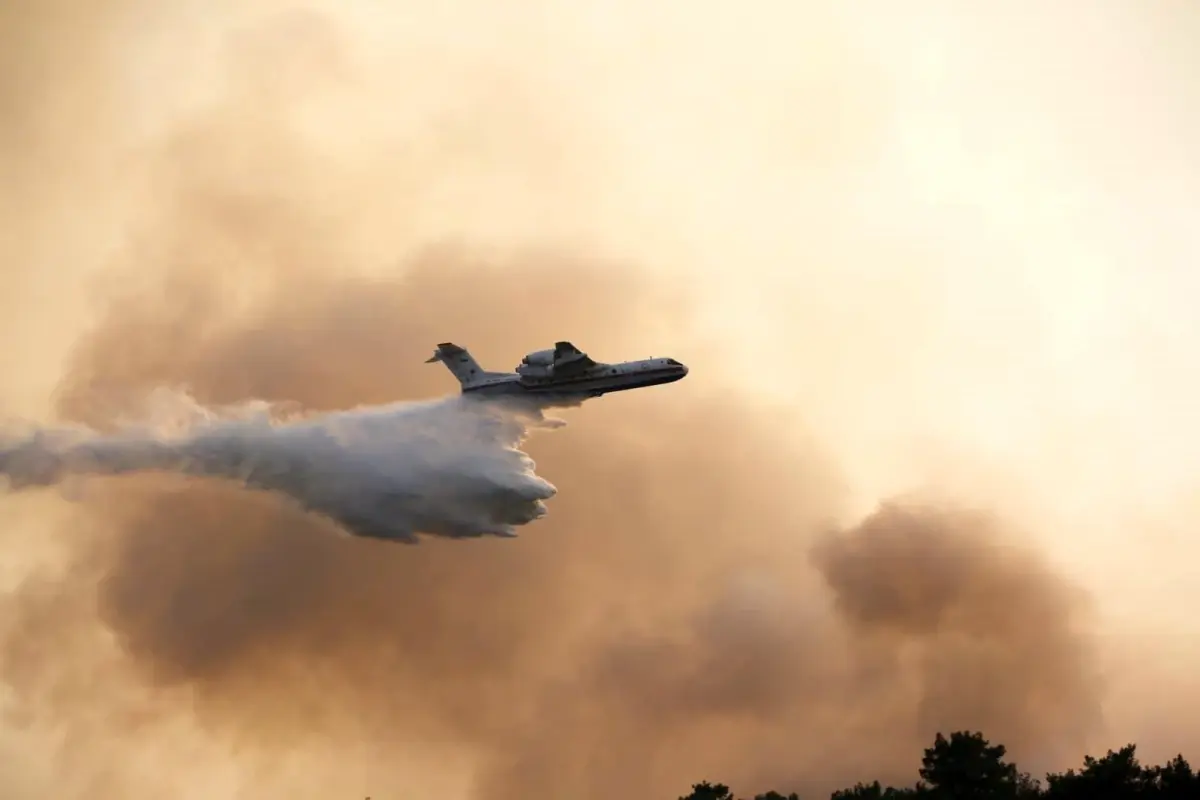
(563, 376)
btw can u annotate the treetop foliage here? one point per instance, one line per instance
(966, 766)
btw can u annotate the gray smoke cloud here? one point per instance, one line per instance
(445, 467)
(684, 612)
(687, 610)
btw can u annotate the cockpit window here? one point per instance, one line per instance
(673, 362)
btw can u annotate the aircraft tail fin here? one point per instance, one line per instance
(460, 362)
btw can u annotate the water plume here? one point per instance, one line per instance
(449, 467)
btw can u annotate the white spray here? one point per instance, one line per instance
(448, 467)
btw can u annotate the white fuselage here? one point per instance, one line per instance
(576, 385)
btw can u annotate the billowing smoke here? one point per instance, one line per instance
(448, 468)
(696, 605)
(669, 620)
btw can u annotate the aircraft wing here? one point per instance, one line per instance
(566, 353)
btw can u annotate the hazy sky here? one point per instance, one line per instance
(953, 243)
(983, 214)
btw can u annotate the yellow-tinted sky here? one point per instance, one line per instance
(957, 244)
(983, 214)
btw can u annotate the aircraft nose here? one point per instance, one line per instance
(679, 367)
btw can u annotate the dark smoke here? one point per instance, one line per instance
(664, 623)
(681, 614)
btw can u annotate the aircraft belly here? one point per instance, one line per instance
(600, 385)
(570, 391)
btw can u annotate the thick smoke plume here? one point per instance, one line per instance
(664, 623)
(690, 609)
(448, 468)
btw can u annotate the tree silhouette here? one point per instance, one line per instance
(1176, 780)
(1117, 775)
(874, 791)
(709, 791)
(1120, 776)
(966, 766)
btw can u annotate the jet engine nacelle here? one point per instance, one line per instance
(539, 364)
(540, 358)
(535, 371)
